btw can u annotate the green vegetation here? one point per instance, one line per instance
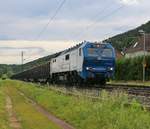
(3, 114)
(109, 112)
(8, 70)
(30, 118)
(131, 69)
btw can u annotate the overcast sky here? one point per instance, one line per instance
(77, 20)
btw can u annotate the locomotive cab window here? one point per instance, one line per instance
(67, 57)
(54, 60)
(95, 52)
(107, 53)
(80, 52)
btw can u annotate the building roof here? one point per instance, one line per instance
(139, 45)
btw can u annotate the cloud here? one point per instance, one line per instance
(21, 22)
(10, 51)
(15, 51)
(24, 20)
(131, 2)
(74, 18)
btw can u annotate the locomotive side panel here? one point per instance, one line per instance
(80, 59)
(73, 60)
(67, 62)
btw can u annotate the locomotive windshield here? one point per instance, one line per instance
(96, 52)
(107, 53)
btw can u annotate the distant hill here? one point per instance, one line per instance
(12, 69)
(9, 69)
(126, 39)
(39, 61)
(120, 42)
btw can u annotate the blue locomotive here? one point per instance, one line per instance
(86, 63)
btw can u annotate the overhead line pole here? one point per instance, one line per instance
(144, 62)
(44, 28)
(22, 59)
(144, 49)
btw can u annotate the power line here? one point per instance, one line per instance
(110, 32)
(97, 14)
(51, 19)
(44, 28)
(102, 18)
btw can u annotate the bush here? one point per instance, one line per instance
(132, 68)
(4, 77)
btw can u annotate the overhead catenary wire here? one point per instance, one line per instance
(100, 11)
(120, 33)
(51, 19)
(100, 19)
(90, 25)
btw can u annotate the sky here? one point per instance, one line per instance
(22, 24)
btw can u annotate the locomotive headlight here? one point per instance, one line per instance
(87, 68)
(110, 68)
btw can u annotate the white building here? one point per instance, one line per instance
(137, 49)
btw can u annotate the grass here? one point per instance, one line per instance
(28, 116)
(3, 114)
(109, 112)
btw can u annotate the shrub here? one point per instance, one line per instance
(132, 68)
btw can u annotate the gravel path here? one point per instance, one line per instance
(50, 116)
(13, 121)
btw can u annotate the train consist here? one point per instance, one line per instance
(87, 62)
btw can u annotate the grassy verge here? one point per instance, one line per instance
(28, 116)
(4, 124)
(107, 113)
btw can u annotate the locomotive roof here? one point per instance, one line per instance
(72, 48)
(77, 46)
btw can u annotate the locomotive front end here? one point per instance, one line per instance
(99, 62)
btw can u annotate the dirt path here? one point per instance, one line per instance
(13, 121)
(51, 117)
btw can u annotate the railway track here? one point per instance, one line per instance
(132, 89)
(140, 93)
